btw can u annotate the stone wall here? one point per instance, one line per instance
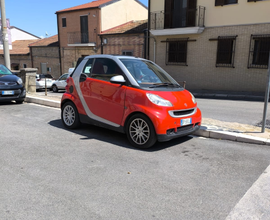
(48, 55)
(116, 44)
(28, 76)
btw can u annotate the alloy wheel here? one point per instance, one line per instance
(69, 115)
(139, 131)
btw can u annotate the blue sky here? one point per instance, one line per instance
(38, 16)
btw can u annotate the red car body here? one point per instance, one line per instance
(113, 104)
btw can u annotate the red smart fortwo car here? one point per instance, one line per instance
(129, 95)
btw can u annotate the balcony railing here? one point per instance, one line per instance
(190, 18)
(81, 38)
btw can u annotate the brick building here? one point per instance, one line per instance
(125, 39)
(213, 45)
(19, 54)
(46, 51)
(79, 27)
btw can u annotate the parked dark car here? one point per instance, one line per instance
(11, 86)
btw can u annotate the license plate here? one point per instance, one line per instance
(7, 92)
(186, 121)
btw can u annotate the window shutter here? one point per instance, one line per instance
(191, 13)
(219, 3)
(168, 14)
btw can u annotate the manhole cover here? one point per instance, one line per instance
(267, 124)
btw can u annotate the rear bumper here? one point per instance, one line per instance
(181, 131)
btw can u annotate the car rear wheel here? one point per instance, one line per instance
(70, 116)
(54, 88)
(140, 131)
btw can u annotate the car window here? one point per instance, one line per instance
(147, 73)
(87, 68)
(4, 70)
(105, 69)
(45, 76)
(63, 77)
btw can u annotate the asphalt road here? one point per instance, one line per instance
(48, 172)
(243, 112)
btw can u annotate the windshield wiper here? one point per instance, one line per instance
(163, 85)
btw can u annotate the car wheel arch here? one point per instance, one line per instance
(134, 113)
(65, 101)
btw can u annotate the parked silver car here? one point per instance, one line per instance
(60, 83)
(40, 81)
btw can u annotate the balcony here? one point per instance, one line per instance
(80, 39)
(187, 22)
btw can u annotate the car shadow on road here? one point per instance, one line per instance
(102, 134)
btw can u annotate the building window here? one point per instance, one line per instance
(225, 2)
(15, 66)
(259, 51)
(24, 65)
(64, 22)
(176, 51)
(180, 13)
(127, 52)
(226, 51)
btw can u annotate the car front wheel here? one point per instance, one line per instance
(140, 131)
(70, 116)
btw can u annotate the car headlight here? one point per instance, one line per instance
(19, 81)
(158, 100)
(193, 98)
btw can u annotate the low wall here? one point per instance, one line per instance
(28, 75)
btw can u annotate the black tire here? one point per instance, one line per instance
(19, 101)
(70, 116)
(140, 131)
(54, 88)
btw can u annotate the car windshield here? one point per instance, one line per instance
(147, 74)
(4, 70)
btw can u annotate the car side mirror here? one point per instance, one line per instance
(119, 79)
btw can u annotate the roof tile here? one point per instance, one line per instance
(92, 4)
(20, 47)
(49, 41)
(127, 28)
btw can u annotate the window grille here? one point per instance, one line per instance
(176, 51)
(225, 51)
(259, 51)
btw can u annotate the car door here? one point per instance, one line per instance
(105, 100)
(61, 84)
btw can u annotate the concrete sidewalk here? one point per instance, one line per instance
(256, 202)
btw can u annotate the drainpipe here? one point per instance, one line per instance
(155, 42)
(59, 46)
(147, 42)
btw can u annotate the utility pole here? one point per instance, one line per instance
(5, 34)
(266, 97)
